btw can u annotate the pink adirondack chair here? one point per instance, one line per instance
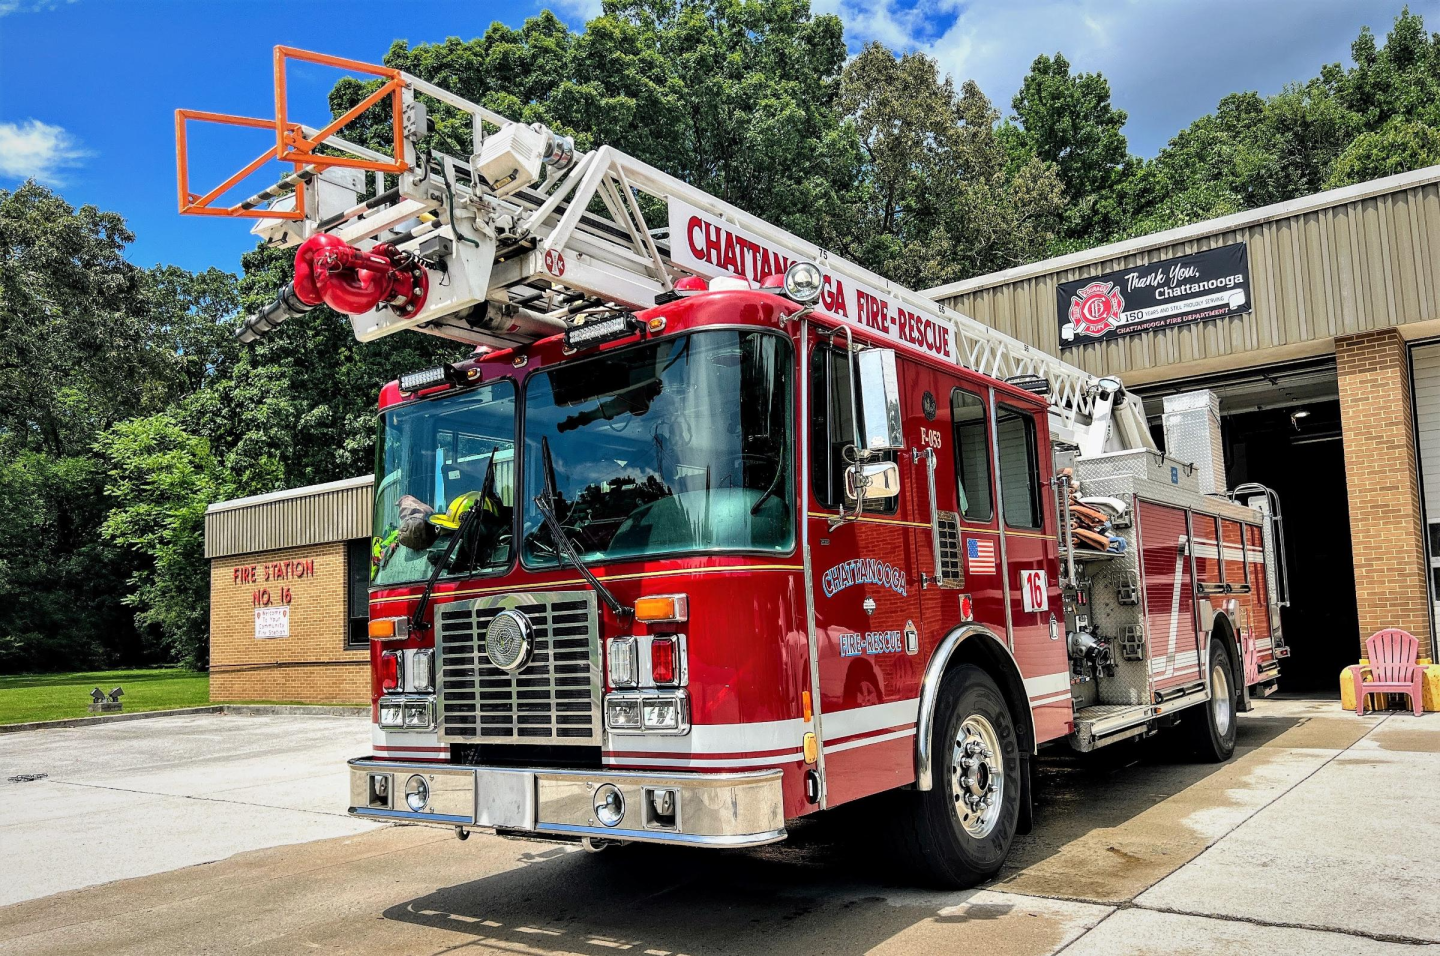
(1392, 668)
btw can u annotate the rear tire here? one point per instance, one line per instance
(1212, 725)
(959, 832)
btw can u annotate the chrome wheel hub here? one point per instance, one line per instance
(977, 776)
(1222, 702)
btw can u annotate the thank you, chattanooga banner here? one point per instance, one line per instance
(710, 246)
(1212, 284)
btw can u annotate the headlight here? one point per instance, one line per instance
(660, 713)
(622, 713)
(392, 712)
(418, 713)
(803, 282)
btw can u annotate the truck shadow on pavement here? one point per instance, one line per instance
(832, 888)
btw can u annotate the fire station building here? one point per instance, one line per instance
(289, 579)
(1317, 323)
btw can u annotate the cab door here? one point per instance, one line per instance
(1032, 568)
(866, 588)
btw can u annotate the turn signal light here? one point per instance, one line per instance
(662, 660)
(663, 609)
(812, 749)
(390, 671)
(389, 628)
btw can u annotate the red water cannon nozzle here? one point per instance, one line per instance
(330, 271)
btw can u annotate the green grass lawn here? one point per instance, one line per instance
(30, 697)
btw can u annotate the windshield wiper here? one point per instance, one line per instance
(417, 621)
(467, 523)
(545, 502)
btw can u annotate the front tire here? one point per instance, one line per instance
(1212, 725)
(959, 832)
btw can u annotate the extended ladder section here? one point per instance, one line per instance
(515, 242)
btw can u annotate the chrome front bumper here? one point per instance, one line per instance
(709, 809)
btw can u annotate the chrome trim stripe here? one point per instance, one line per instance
(743, 776)
(410, 815)
(660, 836)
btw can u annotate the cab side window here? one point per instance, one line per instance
(972, 456)
(1015, 442)
(832, 429)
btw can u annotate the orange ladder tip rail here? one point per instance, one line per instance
(292, 144)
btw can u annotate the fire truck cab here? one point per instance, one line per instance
(706, 529)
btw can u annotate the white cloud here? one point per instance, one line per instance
(39, 150)
(1168, 61)
(34, 6)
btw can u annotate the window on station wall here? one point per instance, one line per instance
(1019, 468)
(357, 591)
(972, 456)
(832, 431)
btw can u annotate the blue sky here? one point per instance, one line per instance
(88, 88)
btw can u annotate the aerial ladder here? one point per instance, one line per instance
(528, 235)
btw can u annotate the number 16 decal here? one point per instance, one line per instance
(1033, 590)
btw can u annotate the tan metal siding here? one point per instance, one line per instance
(1352, 267)
(340, 514)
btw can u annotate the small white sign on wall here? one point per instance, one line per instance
(272, 622)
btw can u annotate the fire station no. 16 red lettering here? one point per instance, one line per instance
(273, 571)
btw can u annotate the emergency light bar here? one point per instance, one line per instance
(597, 332)
(412, 382)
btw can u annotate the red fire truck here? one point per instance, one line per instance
(705, 530)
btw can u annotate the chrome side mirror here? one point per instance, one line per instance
(880, 426)
(877, 480)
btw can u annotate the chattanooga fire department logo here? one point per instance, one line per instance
(1096, 308)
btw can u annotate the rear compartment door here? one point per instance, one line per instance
(1171, 632)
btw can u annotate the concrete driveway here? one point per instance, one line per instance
(1135, 852)
(146, 796)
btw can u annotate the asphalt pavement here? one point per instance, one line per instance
(1318, 837)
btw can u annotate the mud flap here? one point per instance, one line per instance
(1026, 821)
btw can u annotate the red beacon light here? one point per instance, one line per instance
(691, 285)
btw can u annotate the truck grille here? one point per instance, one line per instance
(555, 697)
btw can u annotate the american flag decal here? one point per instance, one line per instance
(979, 556)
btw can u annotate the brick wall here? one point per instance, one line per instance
(312, 664)
(1382, 478)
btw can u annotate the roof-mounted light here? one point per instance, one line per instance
(412, 382)
(1036, 384)
(597, 331)
(803, 282)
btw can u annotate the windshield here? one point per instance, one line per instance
(436, 460)
(672, 446)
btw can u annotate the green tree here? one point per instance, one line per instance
(160, 480)
(734, 96)
(938, 199)
(1067, 119)
(87, 340)
(1397, 147)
